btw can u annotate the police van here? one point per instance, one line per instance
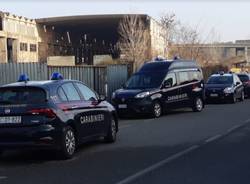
(159, 86)
(55, 114)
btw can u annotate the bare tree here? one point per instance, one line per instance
(186, 42)
(194, 43)
(134, 40)
(168, 22)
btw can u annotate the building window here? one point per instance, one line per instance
(33, 48)
(23, 46)
(1, 24)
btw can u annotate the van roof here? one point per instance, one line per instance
(168, 65)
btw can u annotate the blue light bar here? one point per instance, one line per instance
(23, 78)
(56, 76)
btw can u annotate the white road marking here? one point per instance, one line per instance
(157, 165)
(233, 128)
(173, 157)
(213, 138)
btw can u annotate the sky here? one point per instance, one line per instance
(229, 19)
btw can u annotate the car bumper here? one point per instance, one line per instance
(132, 107)
(221, 96)
(41, 136)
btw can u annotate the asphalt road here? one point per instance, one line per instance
(147, 151)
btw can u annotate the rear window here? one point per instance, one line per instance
(22, 95)
(244, 78)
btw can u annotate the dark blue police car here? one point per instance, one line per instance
(159, 86)
(56, 114)
(224, 86)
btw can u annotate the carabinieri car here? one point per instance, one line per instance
(224, 86)
(56, 114)
(159, 86)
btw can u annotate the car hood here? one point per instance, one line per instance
(217, 86)
(129, 93)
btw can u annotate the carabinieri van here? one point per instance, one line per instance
(159, 86)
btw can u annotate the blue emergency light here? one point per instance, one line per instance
(56, 76)
(23, 78)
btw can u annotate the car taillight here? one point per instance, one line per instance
(46, 112)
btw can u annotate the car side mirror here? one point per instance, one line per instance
(167, 84)
(123, 85)
(101, 98)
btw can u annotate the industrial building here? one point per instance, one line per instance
(18, 39)
(71, 40)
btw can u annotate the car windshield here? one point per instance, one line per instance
(243, 78)
(145, 80)
(22, 96)
(220, 80)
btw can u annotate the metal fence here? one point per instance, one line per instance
(103, 79)
(116, 77)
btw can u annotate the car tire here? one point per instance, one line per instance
(68, 143)
(112, 131)
(198, 104)
(242, 97)
(156, 109)
(234, 99)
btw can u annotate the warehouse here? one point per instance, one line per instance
(71, 40)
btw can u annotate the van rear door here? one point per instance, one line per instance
(190, 86)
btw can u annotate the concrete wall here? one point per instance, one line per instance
(20, 30)
(102, 59)
(61, 61)
(157, 34)
(3, 50)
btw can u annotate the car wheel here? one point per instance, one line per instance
(112, 131)
(198, 105)
(68, 144)
(234, 99)
(156, 109)
(242, 98)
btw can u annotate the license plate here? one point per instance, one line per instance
(214, 95)
(122, 106)
(10, 119)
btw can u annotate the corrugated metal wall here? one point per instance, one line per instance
(84, 74)
(10, 72)
(94, 77)
(116, 76)
(103, 79)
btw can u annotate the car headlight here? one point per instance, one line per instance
(229, 90)
(113, 95)
(142, 95)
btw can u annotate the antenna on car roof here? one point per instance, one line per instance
(176, 58)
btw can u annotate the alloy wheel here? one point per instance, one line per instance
(199, 104)
(70, 142)
(157, 109)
